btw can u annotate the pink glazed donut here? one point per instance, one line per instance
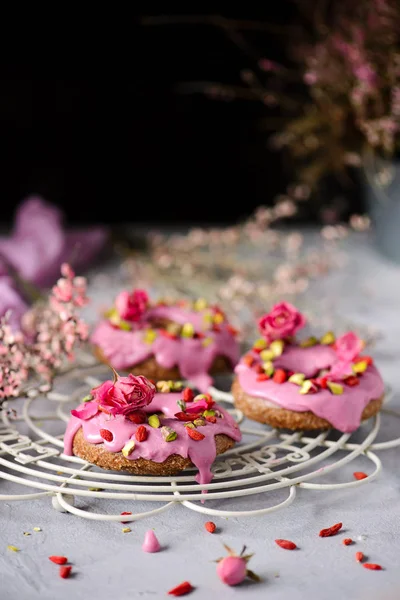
(166, 341)
(306, 384)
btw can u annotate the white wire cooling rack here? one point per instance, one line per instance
(32, 458)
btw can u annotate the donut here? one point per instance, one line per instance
(130, 425)
(309, 383)
(175, 340)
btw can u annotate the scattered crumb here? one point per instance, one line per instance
(94, 489)
(13, 548)
(37, 529)
(126, 529)
(26, 533)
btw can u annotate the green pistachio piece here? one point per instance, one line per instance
(309, 342)
(268, 367)
(306, 386)
(187, 330)
(128, 448)
(260, 344)
(267, 355)
(149, 336)
(328, 338)
(335, 388)
(209, 413)
(87, 398)
(200, 304)
(181, 404)
(277, 347)
(177, 386)
(297, 378)
(154, 421)
(168, 434)
(190, 425)
(360, 366)
(124, 325)
(200, 422)
(163, 387)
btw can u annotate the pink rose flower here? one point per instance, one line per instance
(348, 346)
(131, 307)
(283, 321)
(125, 395)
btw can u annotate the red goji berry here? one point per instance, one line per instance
(249, 360)
(65, 571)
(279, 376)
(262, 377)
(347, 541)
(187, 394)
(210, 526)
(58, 560)
(359, 475)
(211, 419)
(125, 513)
(352, 381)
(141, 433)
(286, 544)
(359, 556)
(372, 566)
(330, 530)
(194, 434)
(106, 435)
(138, 417)
(184, 416)
(180, 590)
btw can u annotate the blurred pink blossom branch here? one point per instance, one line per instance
(53, 329)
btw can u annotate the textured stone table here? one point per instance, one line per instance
(110, 564)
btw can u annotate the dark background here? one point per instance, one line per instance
(98, 124)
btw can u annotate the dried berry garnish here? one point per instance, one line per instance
(188, 394)
(359, 475)
(141, 433)
(194, 434)
(138, 417)
(372, 566)
(180, 590)
(106, 435)
(58, 560)
(125, 513)
(65, 571)
(347, 542)
(210, 526)
(359, 556)
(286, 544)
(279, 376)
(330, 530)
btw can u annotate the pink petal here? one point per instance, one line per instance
(195, 407)
(89, 410)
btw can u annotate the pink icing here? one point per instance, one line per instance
(151, 543)
(202, 453)
(124, 349)
(343, 411)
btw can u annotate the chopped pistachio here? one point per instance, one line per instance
(200, 304)
(174, 328)
(124, 325)
(126, 530)
(200, 422)
(190, 425)
(209, 413)
(163, 386)
(306, 386)
(149, 336)
(128, 448)
(219, 318)
(200, 397)
(168, 434)
(297, 378)
(335, 388)
(267, 354)
(206, 342)
(309, 342)
(181, 404)
(328, 338)
(260, 344)
(37, 529)
(12, 548)
(360, 367)
(87, 398)
(277, 347)
(177, 386)
(268, 367)
(187, 330)
(154, 421)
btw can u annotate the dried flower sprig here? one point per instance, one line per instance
(52, 330)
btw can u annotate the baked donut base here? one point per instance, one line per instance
(282, 418)
(152, 370)
(98, 455)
